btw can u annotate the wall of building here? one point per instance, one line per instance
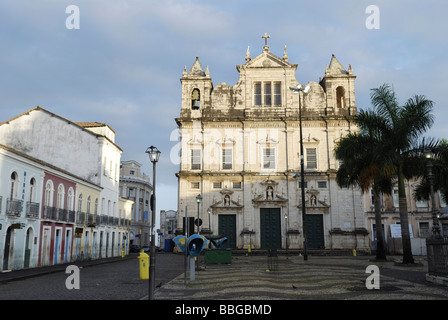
(248, 189)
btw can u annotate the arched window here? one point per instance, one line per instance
(13, 186)
(96, 206)
(340, 97)
(196, 99)
(88, 204)
(49, 193)
(32, 190)
(60, 199)
(80, 203)
(70, 199)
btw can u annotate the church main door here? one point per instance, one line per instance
(315, 231)
(227, 227)
(270, 228)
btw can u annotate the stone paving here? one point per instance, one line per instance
(320, 277)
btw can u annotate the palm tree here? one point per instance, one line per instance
(391, 134)
(361, 167)
(439, 150)
(401, 127)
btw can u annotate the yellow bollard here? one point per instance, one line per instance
(248, 248)
(354, 252)
(143, 259)
(122, 253)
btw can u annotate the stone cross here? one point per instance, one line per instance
(266, 37)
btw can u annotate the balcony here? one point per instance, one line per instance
(50, 213)
(13, 207)
(58, 214)
(81, 217)
(32, 210)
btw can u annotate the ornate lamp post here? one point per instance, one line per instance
(154, 155)
(297, 90)
(198, 200)
(209, 211)
(435, 222)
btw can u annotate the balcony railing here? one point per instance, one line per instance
(50, 213)
(13, 207)
(69, 216)
(59, 215)
(81, 217)
(32, 210)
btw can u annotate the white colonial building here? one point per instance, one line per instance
(60, 183)
(240, 151)
(136, 186)
(21, 185)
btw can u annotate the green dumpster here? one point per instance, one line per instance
(218, 256)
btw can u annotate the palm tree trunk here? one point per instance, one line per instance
(402, 203)
(380, 251)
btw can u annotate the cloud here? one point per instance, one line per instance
(123, 65)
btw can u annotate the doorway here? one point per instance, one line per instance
(227, 227)
(7, 250)
(315, 231)
(270, 228)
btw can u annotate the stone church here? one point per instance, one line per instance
(240, 156)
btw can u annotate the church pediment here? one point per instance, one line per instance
(226, 201)
(267, 60)
(269, 195)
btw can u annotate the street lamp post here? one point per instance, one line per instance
(297, 90)
(286, 232)
(434, 211)
(209, 211)
(154, 155)
(198, 200)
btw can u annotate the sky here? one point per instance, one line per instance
(122, 63)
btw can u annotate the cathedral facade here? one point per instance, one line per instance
(239, 172)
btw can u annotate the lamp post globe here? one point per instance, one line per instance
(154, 156)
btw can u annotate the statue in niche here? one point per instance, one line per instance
(269, 193)
(226, 200)
(313, 200)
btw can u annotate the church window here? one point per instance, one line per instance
(195, 159)
(267, 94)
(257, 94)
(277, 94)
(311, 158)
(195, 185)
(269, 158)
(237, 185)
(227, 158)
(322, 184)
(196, 99)
(217, 185)
(340, 97)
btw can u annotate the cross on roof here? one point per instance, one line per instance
(265, 39)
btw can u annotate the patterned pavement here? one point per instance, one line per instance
(321, 277)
